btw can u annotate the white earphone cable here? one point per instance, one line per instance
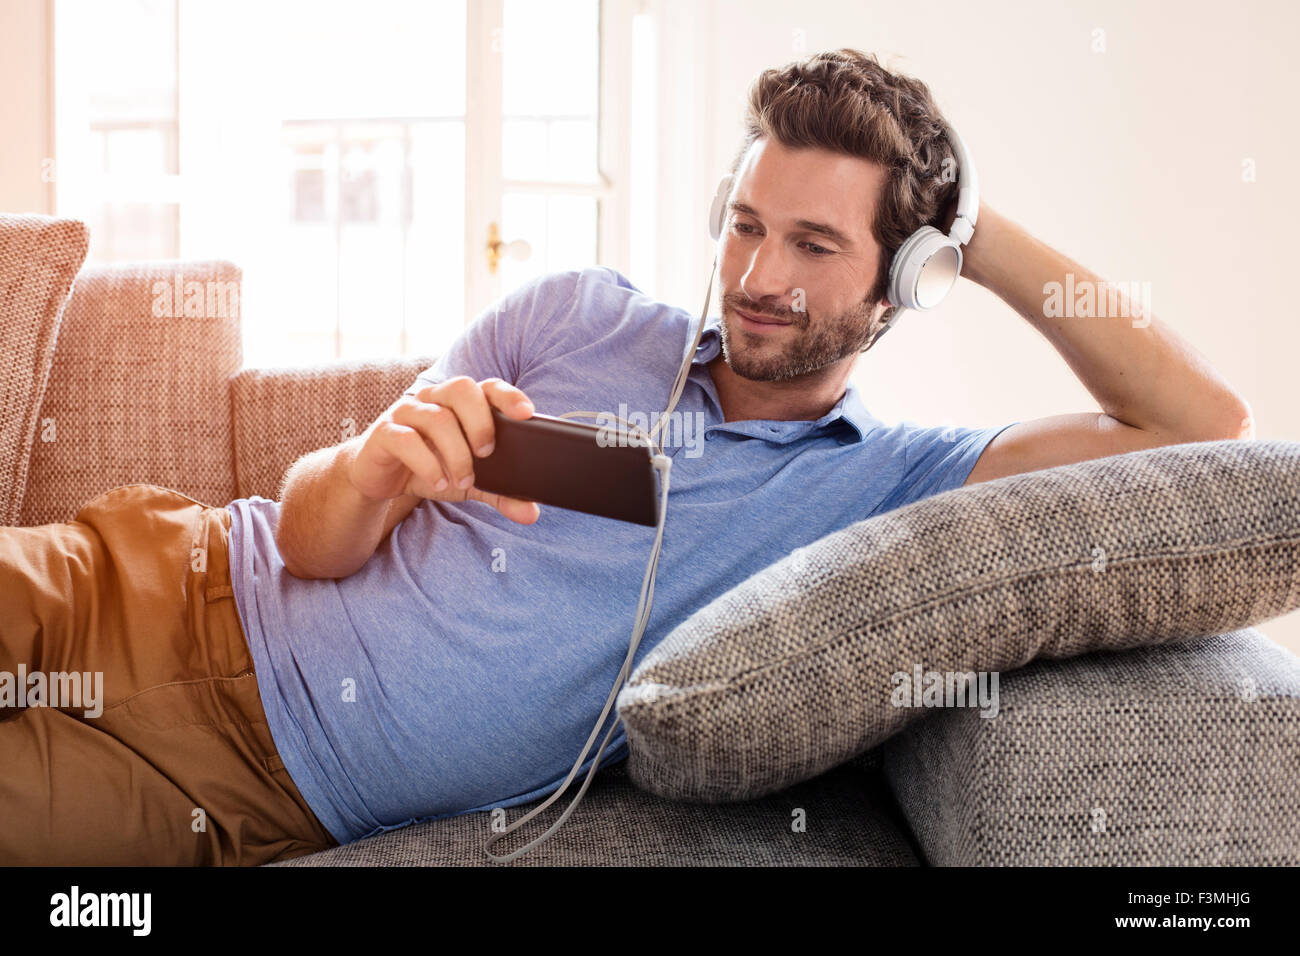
(662, 464)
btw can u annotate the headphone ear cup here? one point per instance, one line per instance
(924, 270)
(718, 210)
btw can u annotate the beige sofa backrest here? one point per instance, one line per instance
(139, 387)
(39, 259)
(281, 414)
(144, 389)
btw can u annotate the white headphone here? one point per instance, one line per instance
(927, 264)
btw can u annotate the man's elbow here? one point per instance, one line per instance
(318, 572)
(1246, 429)
(1238, 425)
(297, 570)
(308, 570)
(291, 563)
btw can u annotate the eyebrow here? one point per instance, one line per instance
(806, 225)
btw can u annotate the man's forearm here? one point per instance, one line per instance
(1136, 367)
(327, 528)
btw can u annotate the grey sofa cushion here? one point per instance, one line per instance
(1184, 754)
(849, 819)
(791, 672)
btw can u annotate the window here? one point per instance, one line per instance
(549, 105)
(118, 161)
(354, 159)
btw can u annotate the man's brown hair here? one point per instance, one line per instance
(846, 102)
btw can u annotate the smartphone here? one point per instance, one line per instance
(590, 468)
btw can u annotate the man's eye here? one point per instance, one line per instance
(817, 252)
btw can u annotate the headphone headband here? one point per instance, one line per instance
(968, 190)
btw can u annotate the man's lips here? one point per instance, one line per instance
(761, 320)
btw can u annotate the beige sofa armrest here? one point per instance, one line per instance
(281, 414)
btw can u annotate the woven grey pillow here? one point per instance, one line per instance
(793, 671)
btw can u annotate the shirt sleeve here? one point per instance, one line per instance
(938, 459)
(502, 341)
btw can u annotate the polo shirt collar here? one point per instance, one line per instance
(848, 411)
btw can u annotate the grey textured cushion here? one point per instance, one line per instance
(849, 820)
(789, 673)
(1183, 754)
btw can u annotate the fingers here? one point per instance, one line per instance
(455, 419)
(470, 404)
(473, 401)
(516, 509)
(426, 443)
(441, 428)
(511, 401)
(466, 399)
(407, 446)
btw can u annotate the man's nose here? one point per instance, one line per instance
(769, 274)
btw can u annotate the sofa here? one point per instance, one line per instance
(1133, 757)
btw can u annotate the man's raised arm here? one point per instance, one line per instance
(1153, 387)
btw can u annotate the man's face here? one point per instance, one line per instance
(775, 257)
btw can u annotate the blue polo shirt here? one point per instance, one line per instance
(463, 667)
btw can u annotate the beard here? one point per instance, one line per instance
(809, 344)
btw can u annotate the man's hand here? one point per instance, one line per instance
(425, 444)
(339, 503)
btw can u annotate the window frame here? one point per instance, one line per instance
(484, 186)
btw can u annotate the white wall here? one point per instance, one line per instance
(25, 133)
(1128, 161)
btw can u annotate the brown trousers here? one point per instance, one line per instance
(180, 767)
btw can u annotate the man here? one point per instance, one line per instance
(422, 649)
